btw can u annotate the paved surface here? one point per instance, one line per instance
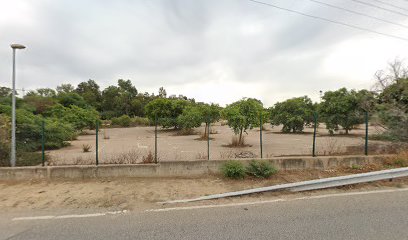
(367, 216)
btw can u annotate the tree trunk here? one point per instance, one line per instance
(240, 138)
(205, 131)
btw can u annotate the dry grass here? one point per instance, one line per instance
(399, 160)
(201, 156)
(130, 157)
(331, 146)
(227, 155)
(86, 148)
(149, 158)
(235, 143)
(204, 136)
(84, 161)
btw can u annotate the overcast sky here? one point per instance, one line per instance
(211, 50)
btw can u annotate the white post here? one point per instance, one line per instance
(13, 114)
(13, 107)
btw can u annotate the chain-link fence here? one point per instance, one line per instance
(210, 141)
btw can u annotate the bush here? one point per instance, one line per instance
(122, 121)
(140, 121)
(233, 169)
(260, 169)
(79, 118)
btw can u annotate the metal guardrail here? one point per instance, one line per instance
(311, 185)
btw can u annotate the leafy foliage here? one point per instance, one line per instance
(293, 114)
(79, 118)
(166, 110)
(123, 121)
(260, 169)
(233, 169)
(393, 109)
(342, 108)
(243, 115)
(190, 118)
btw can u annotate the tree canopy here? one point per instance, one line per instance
(342, 109)
(293, 114)
(243, 115)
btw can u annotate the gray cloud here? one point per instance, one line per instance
(187, 46)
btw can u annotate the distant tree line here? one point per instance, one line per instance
(68, 110)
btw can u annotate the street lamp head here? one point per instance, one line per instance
(17, 46)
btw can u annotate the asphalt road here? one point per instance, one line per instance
(368, 216)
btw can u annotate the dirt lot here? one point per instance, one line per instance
(132, 145)
(136, 194)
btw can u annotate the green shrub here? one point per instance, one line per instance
(122, 121)
(260, 169)
(29, 158)
(140, 121)
(233, 169)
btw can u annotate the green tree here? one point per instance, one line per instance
(79, 118)
(210, 113)
(117, 100)
(293, 114)
(341, 108)
(46, 92)
(243, 115)
(39, 104)
(65, 88)
(167, 111)
(5, 92)
(190, 118)
(392, 108)
(29, 131)
(90, 92)
(162, 92)
(71, 99)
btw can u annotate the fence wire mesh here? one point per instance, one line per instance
(216, 141)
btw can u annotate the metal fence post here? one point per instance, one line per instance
(155, 138)
(260, 133)
(366, 134)
(208, 139)
(43, 143)
(97, 143)
(314, 134)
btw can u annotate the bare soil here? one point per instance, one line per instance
(143, 193)
(132, 145)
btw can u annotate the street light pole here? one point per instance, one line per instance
(13, 107)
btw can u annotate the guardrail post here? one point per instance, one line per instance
(155, 138)
(97, 143)
(260, 133)
(366, 134)
(43, 143)
(314, 134)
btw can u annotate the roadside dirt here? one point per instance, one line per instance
(143, 193)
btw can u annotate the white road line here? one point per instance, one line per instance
(214, 206)
(68, 216)
(276, 200)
